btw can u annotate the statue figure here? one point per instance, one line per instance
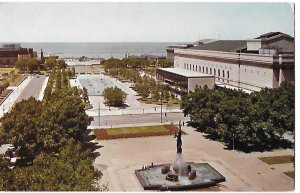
(179, 141)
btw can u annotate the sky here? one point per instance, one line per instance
(141, 22)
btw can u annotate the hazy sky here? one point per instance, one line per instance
(140, 22)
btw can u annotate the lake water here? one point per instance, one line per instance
(98, 49)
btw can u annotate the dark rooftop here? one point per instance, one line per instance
(271, 34)
(223, 45)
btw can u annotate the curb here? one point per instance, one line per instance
(10, 91)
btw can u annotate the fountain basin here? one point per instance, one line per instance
(153, 179)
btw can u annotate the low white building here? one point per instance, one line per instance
(185, 79)
(250, 65)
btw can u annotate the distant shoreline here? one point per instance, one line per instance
(98, 49)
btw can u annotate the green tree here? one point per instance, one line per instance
(165, 63)
(32, 64)
(4, 173)
(50, 63)
(85, 95)
(71, 170)
(20, 64)
(20, 126)
(256, 120)
(114, 96)
(61, 63)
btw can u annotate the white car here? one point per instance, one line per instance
(11, 147)
(12, 162)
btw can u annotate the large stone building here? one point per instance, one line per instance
(170, 50)
(9, 53)
(250, 65)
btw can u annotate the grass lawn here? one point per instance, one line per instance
(15, 79)
(132, 132)
(6, 70)
(290, 174)
(141, 129)
(277, 159)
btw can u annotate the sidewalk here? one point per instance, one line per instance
(41, 94)
(128, 125)
(136, 111)
(10, 100)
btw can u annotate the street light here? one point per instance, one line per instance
(160, 111)
(99, 114)
(233, 141)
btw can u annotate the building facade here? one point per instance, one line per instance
(170, 50)
(10, 53)
(250, 65)
(184, 80)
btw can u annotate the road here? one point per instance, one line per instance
(138, 119)
(33, 88)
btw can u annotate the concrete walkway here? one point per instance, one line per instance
(41, 94)
(243, 172)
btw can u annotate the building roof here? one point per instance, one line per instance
(272, 34)
(204, 41)
(152, 56)
(188, 45)
(223, 45)
(186, 73)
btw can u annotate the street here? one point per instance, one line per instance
(138, 119)
(33, 88)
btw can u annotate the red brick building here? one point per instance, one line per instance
(9, 53)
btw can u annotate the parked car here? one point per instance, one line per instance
(12, 163)
(11, 147)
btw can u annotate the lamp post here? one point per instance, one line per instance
(99, 114)
(160, 111)
(233, 141)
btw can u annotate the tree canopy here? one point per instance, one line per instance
(50, 134)
(70, 170)
(114, 96)
(255, 120)
(27, 64)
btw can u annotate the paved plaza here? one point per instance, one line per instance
(244, 172)
(96, 83)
